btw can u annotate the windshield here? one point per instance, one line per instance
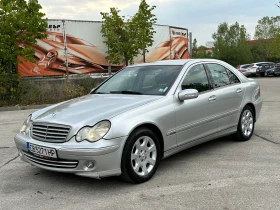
(142, 80)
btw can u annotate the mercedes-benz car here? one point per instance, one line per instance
(142, 114)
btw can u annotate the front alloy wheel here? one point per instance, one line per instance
(141, 155)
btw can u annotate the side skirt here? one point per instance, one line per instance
(193, 143)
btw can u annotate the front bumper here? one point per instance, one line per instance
(73, 157)
(247, 73)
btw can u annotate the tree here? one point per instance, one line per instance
(200, 52)
(194, 48)
(267, 29)
(257, 51)
(125, 39)
(231, 44)
(275, 48)
(21, 24)
(144, 20)
(120, 37)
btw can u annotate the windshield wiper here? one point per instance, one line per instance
(126, 92)
(99, 93)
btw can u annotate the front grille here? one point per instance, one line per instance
(59, 163)
(50, 132)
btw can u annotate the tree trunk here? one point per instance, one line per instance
(10, 66)
(144, 55)
(109, 69)
(126, 62)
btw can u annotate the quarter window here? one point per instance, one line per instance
(196, 78)
(232, 77)
(219, 75)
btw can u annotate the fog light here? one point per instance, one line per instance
(89, 165)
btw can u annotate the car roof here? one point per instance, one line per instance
(262, 62)
(174, 62)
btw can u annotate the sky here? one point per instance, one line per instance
(201, 17)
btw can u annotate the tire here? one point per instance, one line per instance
(247, 122)
(262, 74)
(141, 156)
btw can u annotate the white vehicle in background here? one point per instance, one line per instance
(243, 67)
(255, 69)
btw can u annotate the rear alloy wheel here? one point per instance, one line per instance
(141, 156)
(246, 124)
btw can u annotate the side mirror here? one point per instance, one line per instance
(187, 94)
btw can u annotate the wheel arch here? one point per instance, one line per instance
(251, 105)
(157, 132)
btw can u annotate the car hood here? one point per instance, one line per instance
(90, 109)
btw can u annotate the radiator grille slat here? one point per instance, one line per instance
(51, 163)
(46, 132)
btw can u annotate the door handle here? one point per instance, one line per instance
(212, 98)
(239, 90)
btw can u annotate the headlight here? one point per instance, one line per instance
(26, 125)
(94, 133)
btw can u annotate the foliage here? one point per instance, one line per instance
(275, 48)
(194, 48)
(21, 24)
(125, 39)
(267, 29)
(143, 21)
(257, 52)
(200, 52)
(11, 89)
(120, 43)
(231, 44)
(15, 91)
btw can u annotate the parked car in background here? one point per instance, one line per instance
(140, 115)
(270, 71)
(263, 67)
(243, 67)
(258, 69)
(276, 71)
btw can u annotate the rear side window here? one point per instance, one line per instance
(246, 66)
(219, 75)
(232, 77)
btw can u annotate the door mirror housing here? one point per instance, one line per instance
(187, 94)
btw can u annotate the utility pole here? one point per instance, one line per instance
(191, 45)
(65, 49)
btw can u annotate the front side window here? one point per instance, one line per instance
(196, 78)
(219, 75)
(144, 80)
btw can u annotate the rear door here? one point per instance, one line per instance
(229, 92)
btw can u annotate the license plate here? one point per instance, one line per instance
(41, 151)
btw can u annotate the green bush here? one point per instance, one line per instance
(25, 91)
(56, 90)
(12, 89)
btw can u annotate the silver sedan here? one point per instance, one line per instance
(142, 114)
